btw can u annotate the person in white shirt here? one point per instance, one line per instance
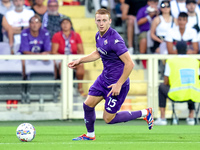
(182, 33)
(178, 6)
(161, 25)
(18, 19)
(193, 17)
(6, 5)
(165, 87)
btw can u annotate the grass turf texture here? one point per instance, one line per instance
(134, 135)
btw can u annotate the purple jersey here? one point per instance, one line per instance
(110, 46)
(141, 14)
(38, 44)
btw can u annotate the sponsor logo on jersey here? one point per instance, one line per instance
(102, 51)
(116, 41)
(36, 42)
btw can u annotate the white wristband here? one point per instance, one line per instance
(149, 18)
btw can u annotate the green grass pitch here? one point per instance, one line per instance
(134, 135)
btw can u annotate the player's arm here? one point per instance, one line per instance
(88, 58)
(128, 66)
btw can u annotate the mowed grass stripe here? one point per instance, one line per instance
(108, 137)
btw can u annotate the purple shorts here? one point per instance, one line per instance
(112, 103)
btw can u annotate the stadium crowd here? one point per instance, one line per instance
(32, 27)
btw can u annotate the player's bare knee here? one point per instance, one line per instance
(107, 120)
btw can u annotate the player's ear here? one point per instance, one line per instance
(110, 21)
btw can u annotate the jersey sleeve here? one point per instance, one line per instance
(47, 41)
(140, 14)
(24, 46)
(118, 46)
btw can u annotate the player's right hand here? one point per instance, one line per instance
(73, 64)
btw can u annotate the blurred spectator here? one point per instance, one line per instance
(39, 8)
(52, 17)
(178, 6)
(129, 11)
(68, 42)
(144, 18)
(161, 25)
(6, 5)
(35, 40)
(198, 3)
(182, 33)
(193, 17)
(181, 83)
(18, 19)
(4, 24)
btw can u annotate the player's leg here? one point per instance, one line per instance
(114, 103)
(89, 117)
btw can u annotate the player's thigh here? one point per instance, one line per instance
(92, 101)
(114, 103)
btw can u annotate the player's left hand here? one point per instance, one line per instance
(115, 89)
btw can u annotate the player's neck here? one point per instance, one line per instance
(102, 33)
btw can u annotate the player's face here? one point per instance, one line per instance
(35, 25)
(103, 23)
(182, 21)
(191, 7)
(66, 25)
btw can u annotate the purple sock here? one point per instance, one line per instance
(89, 117)
(125, 116)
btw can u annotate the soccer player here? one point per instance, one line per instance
(113, 83)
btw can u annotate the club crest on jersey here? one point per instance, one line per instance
(116, 41)
(105, 42)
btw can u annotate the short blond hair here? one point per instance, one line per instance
(103, 11)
